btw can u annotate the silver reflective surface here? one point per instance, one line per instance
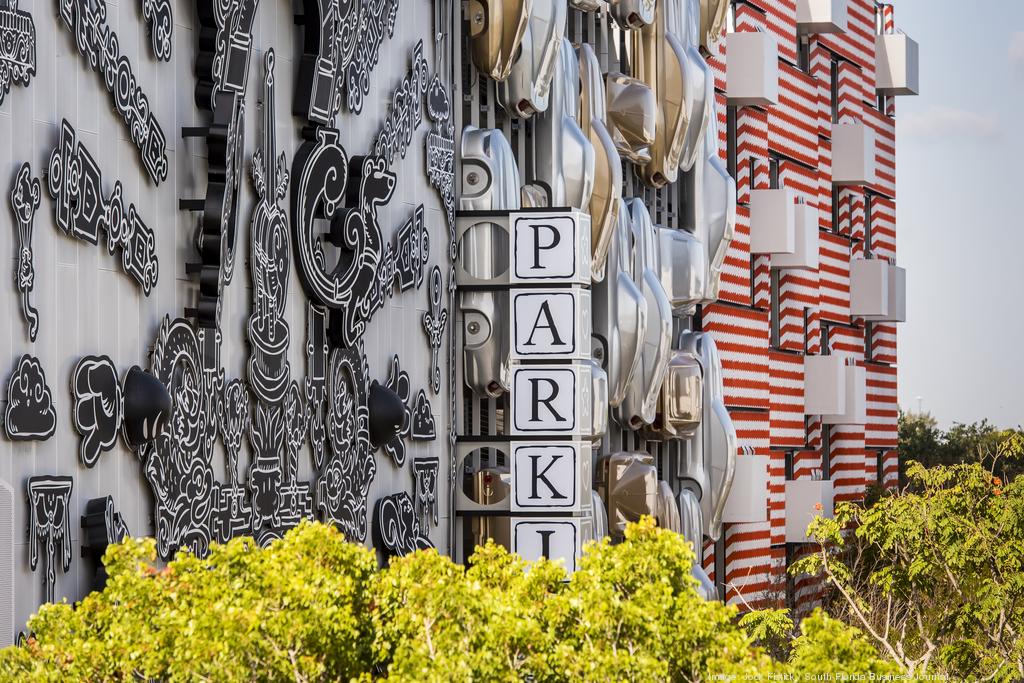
(638, 406)
(564, 159)
(684, 269)
(709, 461)
(525, 92)
(620, 314)
(490, 177)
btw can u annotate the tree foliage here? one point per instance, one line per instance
(312, 607)
(921, 440)
(933, 573)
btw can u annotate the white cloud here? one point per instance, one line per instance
(1017, 53)
(950, 124)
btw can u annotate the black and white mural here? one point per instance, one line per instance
(49, 528)
(25, 198)
(101, 50)
(160, 25)
(214, 393)
(17, 47)
(396, 528)
(30, 414)
(97, 406)
(76, 185)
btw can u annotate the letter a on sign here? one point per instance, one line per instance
(547, 477)
(551, 323)
(544, 400)
(555, 539)
(551, 247)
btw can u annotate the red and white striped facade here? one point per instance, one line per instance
(765, 329)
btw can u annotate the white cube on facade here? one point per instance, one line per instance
(824, 385)
(896, 65)
(897, 295)
(853, 154)
(773, 221)
(877, 291)
(805, 500)
(821, 16)
(805, 253)
(748, 497)
(752, 68)
(855, 404)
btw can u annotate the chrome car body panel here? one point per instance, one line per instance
(632, 116)
(496, 29)
(527, 89)
(564, 159)
(607, 194)
(638, 407)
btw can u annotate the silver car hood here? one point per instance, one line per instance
(620, 314)
(639, 406)
(526, 90)
(710, 459)
(564, 158)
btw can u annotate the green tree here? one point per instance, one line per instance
(933, 573)
(312, 607)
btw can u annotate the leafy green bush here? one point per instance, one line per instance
(934, 574)
(315, 608)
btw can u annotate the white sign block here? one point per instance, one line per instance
(552, 324)
(549, 477)
(552, 247)
(551, 399)
(555, 539)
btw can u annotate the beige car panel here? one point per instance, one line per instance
(496, 29)
(527, 89)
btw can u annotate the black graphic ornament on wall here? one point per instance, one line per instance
(395, 527)
(96, 406)
(376, 19)
(177, 464)
(234, 425)
(99, 45)
(316, 381)
(102, 526)
(329, 41)
(440, 157)
(405, 112)
(30, 414)
(423, 428)
(17, 47)
(49, 527)
(355, 285)
(217, 228)
(25, 198)
(265, 473)
(75, 182)
(344, 481)
(434, 321)
(424, 472)
(225, 45)
(160, 24)
(146, 407)
(269, 261)
(398, 382)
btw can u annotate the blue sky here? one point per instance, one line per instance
(960, 188)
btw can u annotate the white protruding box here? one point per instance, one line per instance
(550, 324)
(752, 70)
(551, 399)
(822, 16)
(550, 247)
(896, 65)
(805, 500)
(855, 403)
(550, 477)
(853, 154)
(805, 256)
(878, 291)
(558, 538)
(748, 497)
(773, 221)
(824, 385)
